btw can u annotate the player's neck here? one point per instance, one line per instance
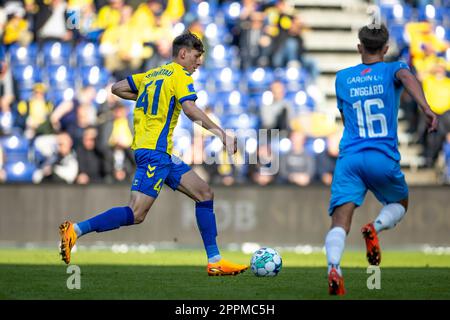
(371, 58)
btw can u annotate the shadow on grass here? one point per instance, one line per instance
(192, 282)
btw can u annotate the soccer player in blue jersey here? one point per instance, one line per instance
(160, 95)
(368, 98)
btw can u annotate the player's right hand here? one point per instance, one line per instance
(432, 120)
(230, 144)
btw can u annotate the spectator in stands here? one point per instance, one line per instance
(63, 166)
(16, 28)
(261, 173)
(6, 114)
(253, 42)
(34, 114)
(109, 15)
(91, 159)
(73, 116)
(279, 113)
(326, 161)
(159, 39)
(288, 44)
(120, 139)
(50, 23)
(437, 91)
(446, 150)
(122, 46)
(297, 166)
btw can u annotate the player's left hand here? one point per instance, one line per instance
(230, 144)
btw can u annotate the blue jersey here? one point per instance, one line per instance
(368, 96)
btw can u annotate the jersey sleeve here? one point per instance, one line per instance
(184, 87)
(396, 66)
(135, 81)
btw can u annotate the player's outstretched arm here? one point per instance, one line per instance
(198, 116)
(122, 89)
(414, 88)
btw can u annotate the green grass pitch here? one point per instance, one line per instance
(181, 275)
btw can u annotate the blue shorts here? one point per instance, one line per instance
(154, 168)
(368, 170)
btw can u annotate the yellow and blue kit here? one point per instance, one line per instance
(161, 92)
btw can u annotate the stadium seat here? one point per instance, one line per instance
(205, 98)
(57, 96)
(259, 79)
(60, 77)
(23, 55)
(93, 76)
(301, 100)
(226, 79)
(26, 73)
(15, 148)
(397, 13)
(292, 75)
(56, 53)
(431, 13)
(19, 172)
(240, 120)
(88, 54)
(232, 11)
(222, 56)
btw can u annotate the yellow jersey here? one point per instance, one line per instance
(161, 91)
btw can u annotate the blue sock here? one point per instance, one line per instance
(206, 221)
(109, 220)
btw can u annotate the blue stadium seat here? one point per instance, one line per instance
(431, 13)
(205, 98)
(93, 76)
(241, 120)
(23, 55)
(226, 79)
(397, 13)
(397, 32)
(25, 94)
(232, 99)
(259, 79)
(221, 56)
(19, 171)
(88, 54)
(56, 53)
(292, 75)
(232, 11)
(15, 148)
(60, 77)
(301, 100)
(26, 73)
(56, 96)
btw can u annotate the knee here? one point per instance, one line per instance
(206, 194)
(139, 213)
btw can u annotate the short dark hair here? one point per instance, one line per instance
(187, 40)
(373, 38)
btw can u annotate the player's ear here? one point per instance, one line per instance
(182, 53)
(385, 49)
(360, 48)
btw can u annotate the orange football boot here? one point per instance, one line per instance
(68, 239)
(335, 283)
(225, 268)
(372, 245)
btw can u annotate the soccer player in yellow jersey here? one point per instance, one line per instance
(160, 95)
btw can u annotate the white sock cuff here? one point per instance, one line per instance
(396, 209)
(338, 231)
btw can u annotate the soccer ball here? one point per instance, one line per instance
(266, 262)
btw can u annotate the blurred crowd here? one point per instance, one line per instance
(60, 122)
(420, 35)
